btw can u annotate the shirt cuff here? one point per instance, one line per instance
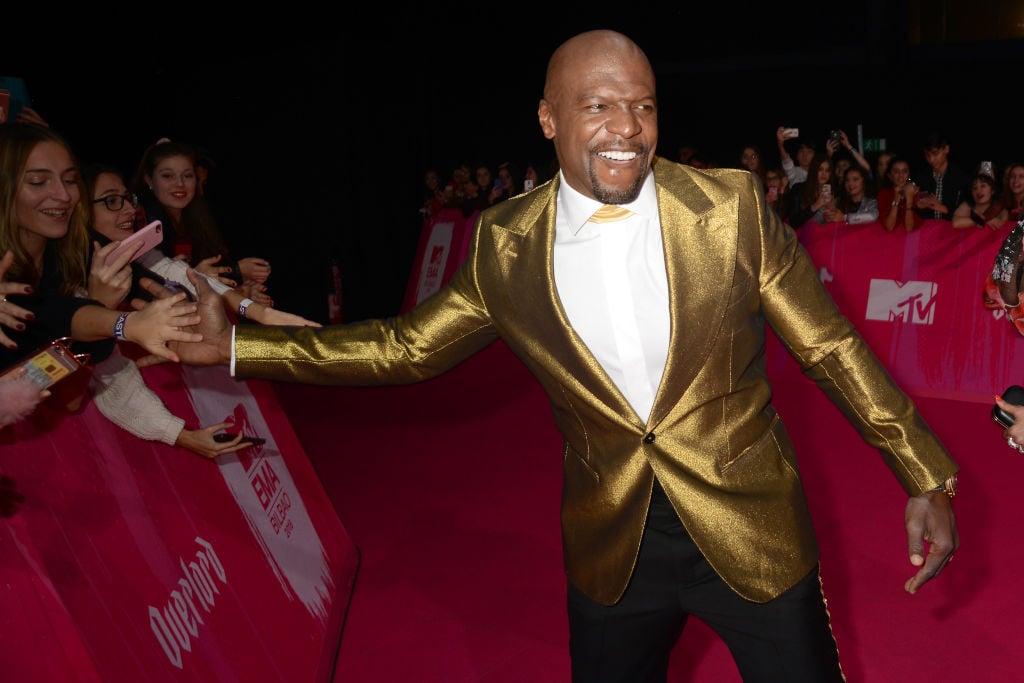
(233, 350)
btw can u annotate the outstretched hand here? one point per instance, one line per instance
(214, 348)
(929, 518)
(202, 441)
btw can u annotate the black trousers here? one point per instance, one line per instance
(786, 640)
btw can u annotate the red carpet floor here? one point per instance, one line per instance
(450, 489)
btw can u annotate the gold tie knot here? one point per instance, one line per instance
(609, 213)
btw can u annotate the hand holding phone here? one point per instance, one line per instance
(1014, 394)
(49, 364)
(149, 236)
(224, 437)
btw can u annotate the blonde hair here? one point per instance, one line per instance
(17, 141)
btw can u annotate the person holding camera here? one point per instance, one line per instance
(796, 172)
(839, 146)
(811, 197)
(853, 206)
(896, 200)
(639, 291)
(945, 186)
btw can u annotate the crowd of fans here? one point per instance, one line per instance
(61, 221)
(805, 180)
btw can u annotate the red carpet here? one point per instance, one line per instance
(450, 489)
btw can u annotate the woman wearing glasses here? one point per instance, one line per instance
(113, 217)
(117, 387)
(43, 224)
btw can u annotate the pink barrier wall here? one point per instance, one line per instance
(444, 244)
(133, 561)
(916, 298)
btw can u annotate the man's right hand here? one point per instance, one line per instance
(215, 347)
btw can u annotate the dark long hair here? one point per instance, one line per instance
(196, 223)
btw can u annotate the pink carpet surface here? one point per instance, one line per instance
(450, 489)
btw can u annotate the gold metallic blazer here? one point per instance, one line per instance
(713, 440)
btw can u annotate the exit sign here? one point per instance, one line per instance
(874, 145)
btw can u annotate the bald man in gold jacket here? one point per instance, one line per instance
(713, 439)
(712, 444)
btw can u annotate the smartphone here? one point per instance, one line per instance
(150, 236)
(223, 437)
(527, 185)
(826, 192)
(50, 364)
(13, 98)
(772, 194)
(790, 133)
(1014, 394)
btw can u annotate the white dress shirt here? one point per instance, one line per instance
(612, 283)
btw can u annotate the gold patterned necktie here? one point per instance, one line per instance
(610, 213)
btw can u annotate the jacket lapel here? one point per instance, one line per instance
(700, 259)
(525, 248)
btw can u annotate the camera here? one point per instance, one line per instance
(835, 135)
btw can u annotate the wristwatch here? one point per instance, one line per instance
(949, 486)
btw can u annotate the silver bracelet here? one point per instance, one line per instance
(119, 326)
(243, 305)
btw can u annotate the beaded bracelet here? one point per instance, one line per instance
(119, 326)
(243, 305)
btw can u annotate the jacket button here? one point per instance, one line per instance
(649, 438)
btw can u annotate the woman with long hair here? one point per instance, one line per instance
(167, 184)
(811, 197)
(43, 223)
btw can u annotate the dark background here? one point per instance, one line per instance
(322, 120)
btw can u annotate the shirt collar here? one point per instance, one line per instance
(577, 208)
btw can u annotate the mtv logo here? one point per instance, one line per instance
(911, 301)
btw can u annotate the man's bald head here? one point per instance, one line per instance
(600, 110)
(591, 47)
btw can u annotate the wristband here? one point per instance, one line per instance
(119, 326)
(243, 305)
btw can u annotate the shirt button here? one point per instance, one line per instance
(649, 439)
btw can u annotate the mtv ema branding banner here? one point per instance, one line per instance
(917, 299)
(443, 246)
(133, 561)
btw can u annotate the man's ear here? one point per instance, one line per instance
(547, 124)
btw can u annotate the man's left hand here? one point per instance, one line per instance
(930, 519)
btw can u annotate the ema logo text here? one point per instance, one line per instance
(912, 301)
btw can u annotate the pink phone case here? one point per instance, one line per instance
(150, 236)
